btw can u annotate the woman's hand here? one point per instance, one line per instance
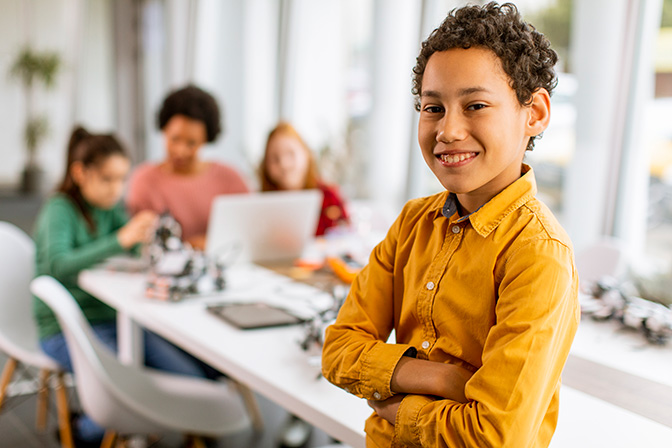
(387, 409)
(137, 230)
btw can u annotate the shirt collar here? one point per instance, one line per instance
(489, 215)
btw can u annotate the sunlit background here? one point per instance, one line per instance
(340, 70)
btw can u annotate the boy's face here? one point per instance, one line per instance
(473, 132)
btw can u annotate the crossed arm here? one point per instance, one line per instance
(422, 377)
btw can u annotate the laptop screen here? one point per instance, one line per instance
(269, 226)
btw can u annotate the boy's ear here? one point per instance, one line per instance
(539, 112)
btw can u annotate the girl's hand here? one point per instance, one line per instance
(137, 230)
(387, 409)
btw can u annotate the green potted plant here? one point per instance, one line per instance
(32, 68)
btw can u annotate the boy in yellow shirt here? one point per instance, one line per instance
(479, 281)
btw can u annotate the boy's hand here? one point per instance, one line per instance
(387, 409)
(137, 230)
(423, 377)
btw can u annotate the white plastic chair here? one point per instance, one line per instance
(18, 332)
(130, 400)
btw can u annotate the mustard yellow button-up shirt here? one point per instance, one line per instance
(494, 292)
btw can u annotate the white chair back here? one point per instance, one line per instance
(90, 359)
(18, 331)
(132, 400)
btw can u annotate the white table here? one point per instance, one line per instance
(271, 362)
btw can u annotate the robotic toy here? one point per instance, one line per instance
(176, 269)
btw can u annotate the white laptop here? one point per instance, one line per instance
(269, 226)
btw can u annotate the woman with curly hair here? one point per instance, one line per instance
(183, 184)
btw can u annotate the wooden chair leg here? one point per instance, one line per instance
(108, 439)
(7, 374)
(63, 413)
(252, 406)
(194, 442)
(43, 401)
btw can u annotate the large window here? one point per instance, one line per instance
(658, 271)
(341, 72)
(555, 149)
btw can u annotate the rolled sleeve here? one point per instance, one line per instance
(406, 431)
(377, 368)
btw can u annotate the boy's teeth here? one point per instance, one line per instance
(454, 158)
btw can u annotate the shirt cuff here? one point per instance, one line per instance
(378, 367)
(406, 430)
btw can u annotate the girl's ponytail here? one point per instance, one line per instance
(78, 135)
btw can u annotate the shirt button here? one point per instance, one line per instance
(430, 285)
(456, 229)
(376, 395)
(425, 345)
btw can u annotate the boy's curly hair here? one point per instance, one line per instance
(526, 54)
(196, 104)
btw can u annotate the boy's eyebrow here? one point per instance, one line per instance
(462, 92)
(430, 93)
(470, 90)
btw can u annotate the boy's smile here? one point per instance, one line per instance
(473, 132)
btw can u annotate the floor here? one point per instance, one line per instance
(17, 426)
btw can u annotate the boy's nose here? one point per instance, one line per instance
(451, 129)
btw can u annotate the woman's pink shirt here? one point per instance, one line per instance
(187, 198)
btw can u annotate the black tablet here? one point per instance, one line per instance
(254, 315)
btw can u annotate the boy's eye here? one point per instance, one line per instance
(433, 109)
(476, 106)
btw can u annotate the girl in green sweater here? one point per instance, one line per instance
(80, 225)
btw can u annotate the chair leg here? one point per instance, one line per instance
(252, 406)
(7, 374)
(194, 442)
(43, 400)
(108, 439)
(63, 413)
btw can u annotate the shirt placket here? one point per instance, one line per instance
(431, 281)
